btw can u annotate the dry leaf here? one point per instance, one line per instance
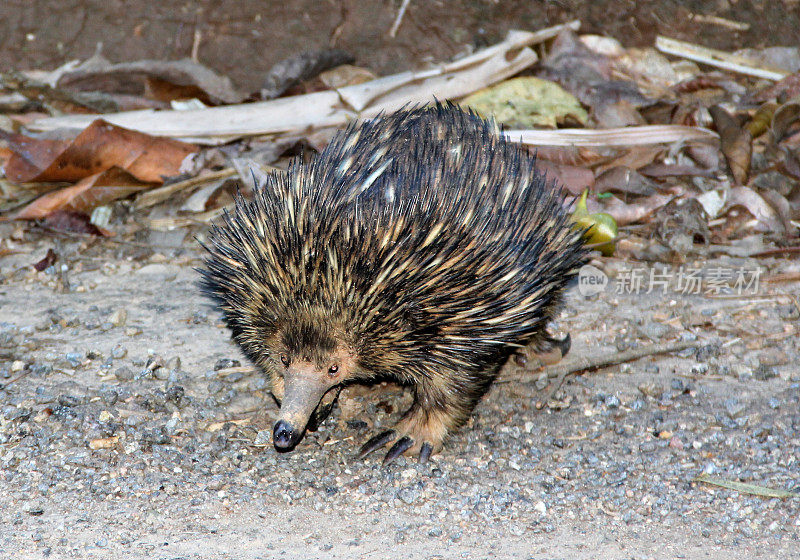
(98, 148)
(85, 195)
(574, 179)
(757, 206)
(614, 115)
(633, 158)
(184, 77)
(526, 102)
(736, 142)
(627, 213)
(624, 179)
(72, 222)
(788, 88)
(785, 121)
(669, 170)
(48, 260)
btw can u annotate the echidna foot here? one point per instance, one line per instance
(419, 433)
(563, 344)
(400, 446)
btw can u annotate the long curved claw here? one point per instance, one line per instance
(425, 453)
(564, 344)
(399, 447)
(376, 442)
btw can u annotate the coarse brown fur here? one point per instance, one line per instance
(420, 247)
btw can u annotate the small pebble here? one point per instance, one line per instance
(119, 317)
(124, 373)
(225, 363)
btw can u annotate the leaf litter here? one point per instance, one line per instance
(667, 157)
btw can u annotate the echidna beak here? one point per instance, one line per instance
(303, 392)
(285, 436)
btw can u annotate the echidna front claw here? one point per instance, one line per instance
(425, 453)
(376, 442)
(400, 446)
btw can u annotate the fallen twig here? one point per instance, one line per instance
(785, 277)
(170, 223)
(719, 59)
(160, 194)
(746, 488)
(722, 22)
(399, 19)
(626, 136)
(579, 364)
(778, 251)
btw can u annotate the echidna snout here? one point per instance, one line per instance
(303, 387)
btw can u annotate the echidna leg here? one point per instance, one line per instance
(424, 427)
(547, 349)
(421, 432)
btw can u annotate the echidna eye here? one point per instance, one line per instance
(333, 370)
(285, 360)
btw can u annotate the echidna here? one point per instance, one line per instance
(420, 247)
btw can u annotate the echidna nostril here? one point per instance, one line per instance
(283, 436)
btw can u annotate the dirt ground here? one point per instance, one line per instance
(243, 40)
(130, 426)
(127, 431)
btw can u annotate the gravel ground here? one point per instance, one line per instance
(131, 427)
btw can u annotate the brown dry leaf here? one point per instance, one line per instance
(785, 121)
(573, 65)
(164, 91)
(790, 163)
(782, 208)
(788, 88)
(649, 67)
(216, 194)
(760, 209)
(628, 213)
(99, 147)
(184, 77)
(5, 155)
(590, 77)
(86, 194)
(736, 143)
(346, 75)
(615, 115)
(48, 260)
(28, 156)
(676, 170)
(574, 179)
(624, 179)
(706, 155)
(572, 155)
(634, 157)
(72, 222)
